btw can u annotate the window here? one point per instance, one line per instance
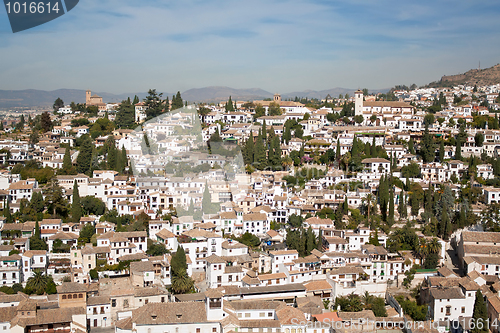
(198, 330)
(63, 296)
(247, 315)
(214, 329)
(463, 309)
(113, 303)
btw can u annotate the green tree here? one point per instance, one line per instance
(208, 206)
(54, 198)
(260, 111)
(427, 147)
(86, 234)
(153, 103)
(479, 139)
(480, 314)
(84, 159)
(67, 167)
(260, 156)
(229, 105)
(40, 284)
(249, 240)
(36, 241)
(92, 205)
(58, 104)
(349, 303)
(181, 282)
(46, 122)
(441, 151)
(93, 272)
(390, 218)
(156, 249)
(274, 109)
(429, 119)
(410, 146)
(125, 115)
(37, 203)
(177, 102)
(76, 208)
(249, 150)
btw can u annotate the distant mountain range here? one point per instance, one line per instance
(32, 98)
(480, 77)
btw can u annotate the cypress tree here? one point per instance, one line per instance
(37, 231)
(373, 151)
(260, 157)
(445, 223)
(319, 245)
(84, 158)
(178, 262)
(76, 207)
(229, 105)
(249, 150)
(410, 146)
(7, 214)
(391, 207)
(287, 136)
(480, 314)
(458, 149)
(337, 151)
(441, 151)
(67, 165)
(124, 156)
(275, 152)
(427, 149)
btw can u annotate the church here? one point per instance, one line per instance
(379, 108)
(94, 100)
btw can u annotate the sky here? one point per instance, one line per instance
(122, 46)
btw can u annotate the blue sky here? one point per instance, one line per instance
(124, 46)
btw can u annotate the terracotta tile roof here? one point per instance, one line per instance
(477, 236)
(318, 285)
(447, 293)
(165, 234)
(170, 313)
(70, 287)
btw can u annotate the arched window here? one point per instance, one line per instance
(69, 296)
(63, 296)
(80, 295)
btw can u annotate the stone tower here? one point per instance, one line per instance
(87, 97)
(358, 102)
(277, 98)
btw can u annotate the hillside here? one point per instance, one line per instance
(218, 94)
(32, 98)
(480, 77)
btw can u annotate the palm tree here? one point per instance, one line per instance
(181, 282)
(367, 299)
(434, 246)
(368, 202)
(423, 248)
(38, 282)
